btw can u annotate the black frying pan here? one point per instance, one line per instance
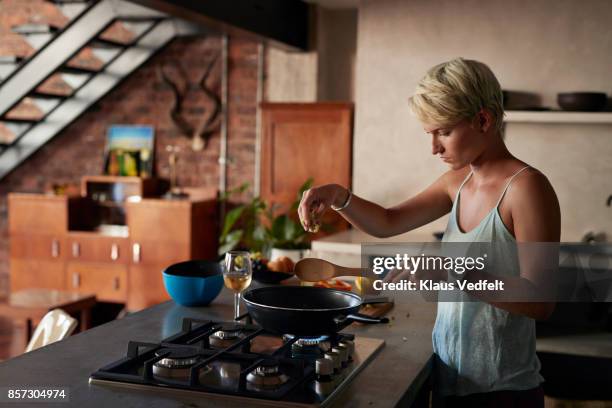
(305, 310)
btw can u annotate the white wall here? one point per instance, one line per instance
(544, 46)
(324, 74)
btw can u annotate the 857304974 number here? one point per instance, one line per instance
(16, 394)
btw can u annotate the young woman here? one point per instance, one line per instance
(485, 350)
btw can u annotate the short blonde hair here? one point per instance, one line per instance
(457, 90)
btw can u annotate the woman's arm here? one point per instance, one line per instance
(373, 219)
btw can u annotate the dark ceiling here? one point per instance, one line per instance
(283, 22)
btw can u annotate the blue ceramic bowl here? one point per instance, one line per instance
(193, 283)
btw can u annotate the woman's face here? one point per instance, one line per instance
(457, 145)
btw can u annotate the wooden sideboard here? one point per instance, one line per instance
(54, 245)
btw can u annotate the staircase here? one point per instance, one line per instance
(64, 70)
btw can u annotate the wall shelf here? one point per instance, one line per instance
(558, 117)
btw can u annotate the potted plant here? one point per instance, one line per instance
(254, 226)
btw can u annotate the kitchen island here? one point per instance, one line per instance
(392, 378)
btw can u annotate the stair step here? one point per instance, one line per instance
(45, 105)
(117, 32)
(36, 35)
(27, 109)
(57, 85)
(105, 52)
(69, 1)
(6, 135)
(11, 59)
(74, 79)
(138, 27)
(77, 70)
(140, 19)
(86, 59)
(108, 43)
(24, 121)
(33, 28)
(47, 95)
(10, 130)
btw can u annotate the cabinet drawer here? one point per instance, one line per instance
(158, 253)
(42, 247)
(27, 273)
(107, 282)
(96, 248)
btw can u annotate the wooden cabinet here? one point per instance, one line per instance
(52, 246)
(37, 246)
(38, 214)
(164, 232)
(93, 247)
(36, 227)
(302, 141)
(36, 273)
(108, 282)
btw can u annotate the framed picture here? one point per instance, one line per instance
(129, 151)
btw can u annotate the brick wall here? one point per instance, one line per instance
(143, 98)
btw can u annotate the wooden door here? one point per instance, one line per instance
(160, 235)
(37, 261)
(302, 141)
(36, 214)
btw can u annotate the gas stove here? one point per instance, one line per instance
(241, 361)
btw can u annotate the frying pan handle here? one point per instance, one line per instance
(356, 317)
(376, 300)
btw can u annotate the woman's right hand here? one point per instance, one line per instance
(316, 201)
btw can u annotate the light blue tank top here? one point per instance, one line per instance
(479, 347)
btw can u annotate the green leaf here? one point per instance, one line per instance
(278, 227)
(231, 241)
(259, 233)
(230, 220)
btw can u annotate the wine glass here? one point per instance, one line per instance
(237, 275)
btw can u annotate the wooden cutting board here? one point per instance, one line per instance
(375, 310)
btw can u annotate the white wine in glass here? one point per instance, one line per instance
(236, 282)
(237, 275)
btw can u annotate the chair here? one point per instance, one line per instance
(56, 325)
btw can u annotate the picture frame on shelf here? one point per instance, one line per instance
(129, 151)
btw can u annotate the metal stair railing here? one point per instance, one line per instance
(63, 47)
(46, 62)
(88, 94)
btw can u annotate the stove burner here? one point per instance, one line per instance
(267, 375)
(178, 363)
(178, 357)
(310, 346)
(226, 335)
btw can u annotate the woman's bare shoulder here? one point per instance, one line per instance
(535, 208)
(532, 182)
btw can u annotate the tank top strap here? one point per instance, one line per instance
(501, 197)
(462, 184)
